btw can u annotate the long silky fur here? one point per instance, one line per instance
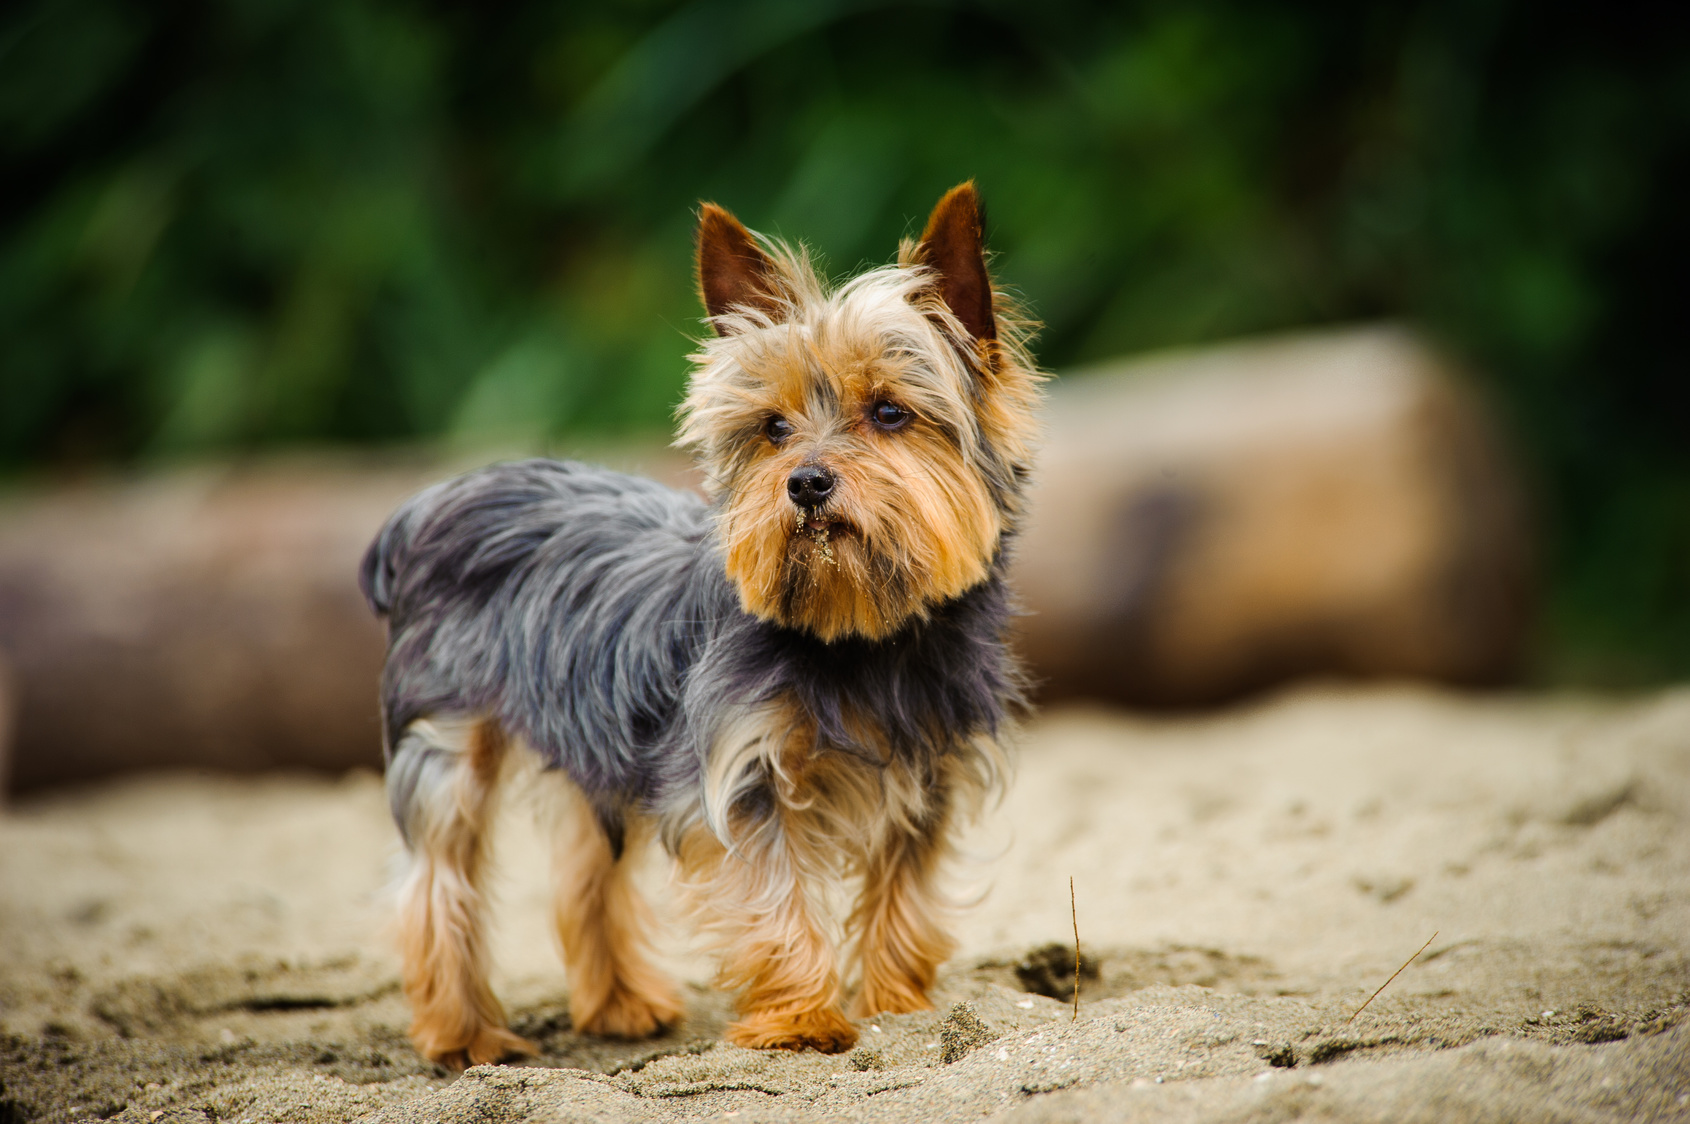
(588, 612)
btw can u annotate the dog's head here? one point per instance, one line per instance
(867, 444)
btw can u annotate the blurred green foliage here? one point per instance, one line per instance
(229, 225)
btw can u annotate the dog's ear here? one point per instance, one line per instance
(954, 247)
(732, 269)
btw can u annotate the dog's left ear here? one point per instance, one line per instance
(954, 247)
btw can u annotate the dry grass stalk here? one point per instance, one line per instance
(1394, 975)
(1074, 916)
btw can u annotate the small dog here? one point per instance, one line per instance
(802, 682)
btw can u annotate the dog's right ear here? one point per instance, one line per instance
(733, 271)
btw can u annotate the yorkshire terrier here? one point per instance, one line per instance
(799, 685)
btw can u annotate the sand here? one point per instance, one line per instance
(185, 948)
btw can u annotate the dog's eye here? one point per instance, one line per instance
(889, 415)
(777, 429)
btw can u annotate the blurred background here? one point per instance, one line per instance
(262, 226)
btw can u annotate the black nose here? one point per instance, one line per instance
(809, 485)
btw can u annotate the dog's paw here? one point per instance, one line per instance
(489, 1045)
(625, 1014)
(826, 1030)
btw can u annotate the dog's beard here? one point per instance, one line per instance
(834, 583)
(818, 529)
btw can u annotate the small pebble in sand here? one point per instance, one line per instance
(874, 1028)
(1025, 1004)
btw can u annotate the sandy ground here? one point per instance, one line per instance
(202, 949)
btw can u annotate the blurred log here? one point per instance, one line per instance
(1202, 526)
(207, 618)
(195, 619)
(6, 726)
(1211, 523)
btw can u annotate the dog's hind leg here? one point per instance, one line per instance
(442, 784)
(602, 923)
(899, 921)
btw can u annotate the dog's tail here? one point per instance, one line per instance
(403, 551)
(468, 533)
(378, 573)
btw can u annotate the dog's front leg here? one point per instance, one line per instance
(899, 919)
(756, 899)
